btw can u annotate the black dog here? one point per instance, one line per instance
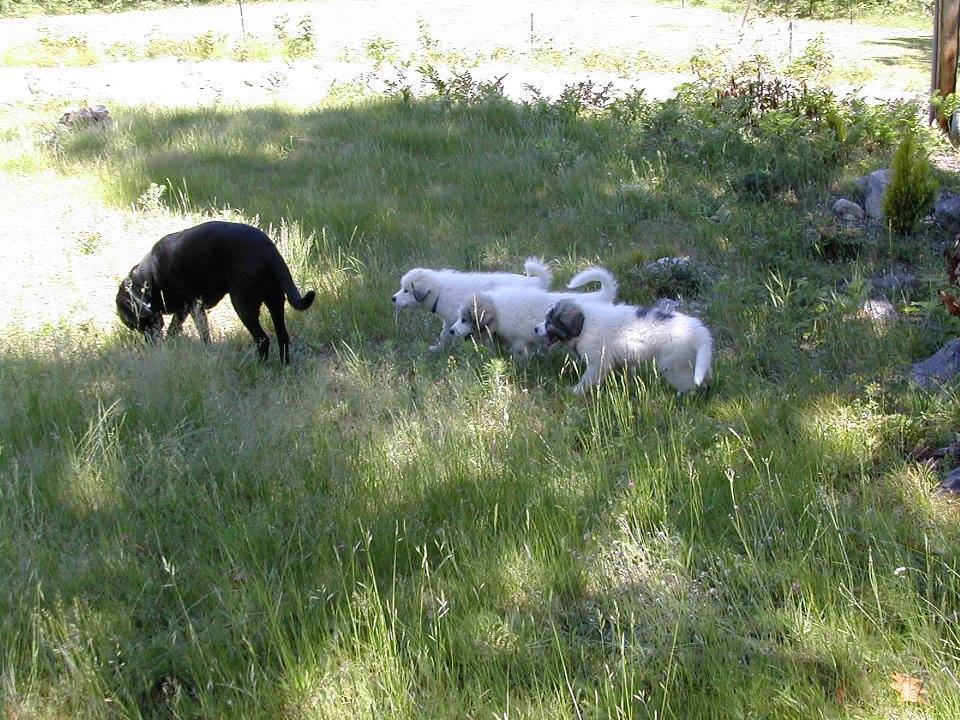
(189, 271)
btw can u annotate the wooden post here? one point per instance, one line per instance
(946, 38)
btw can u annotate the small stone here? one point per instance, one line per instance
(681, 261)
(874, 187)
(947, 212)
(847, 210)
(950, 485)
(939, 368)
(879, 310)
(667, 305)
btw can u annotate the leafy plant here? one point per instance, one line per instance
(912, 187)
(298, 38)
(814, 61)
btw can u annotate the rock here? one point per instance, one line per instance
(680, 262)
(87, 116)
(847, 210)
(879, 311)
(874, 187)
(667, 305)
(939, 368)
(672, 277)
(894, 282)
(947, 213)
(950, 485)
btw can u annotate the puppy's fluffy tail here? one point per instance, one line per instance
(608, 283)
(701, 368)
(536, 268)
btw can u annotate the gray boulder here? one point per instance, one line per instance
(939, 368)
(847, 210)
(894, 282)
(874, 187)
(880, 311)
(950, 485)
(947, 212)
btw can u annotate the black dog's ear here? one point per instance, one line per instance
(568, 316)
(418, 295)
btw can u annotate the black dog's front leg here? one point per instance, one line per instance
(176, 323)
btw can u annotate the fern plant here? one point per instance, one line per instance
(912, 187)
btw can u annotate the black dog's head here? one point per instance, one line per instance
(563, 324)
(135, 308)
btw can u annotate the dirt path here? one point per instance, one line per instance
(667, 32)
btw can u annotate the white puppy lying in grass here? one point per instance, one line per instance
(609, 336)
(443, 292)
(512, 312)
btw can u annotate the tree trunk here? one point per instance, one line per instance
(946, 38)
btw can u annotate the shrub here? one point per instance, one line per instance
(911, 189)
(298, 39)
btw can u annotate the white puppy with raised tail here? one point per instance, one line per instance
(443, 292)
(511, 313)
(608, 336)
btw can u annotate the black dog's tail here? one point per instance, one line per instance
(282, 273)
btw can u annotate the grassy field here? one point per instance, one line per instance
(377, 532)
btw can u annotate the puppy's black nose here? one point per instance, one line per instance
(393, 299)
(452, 332)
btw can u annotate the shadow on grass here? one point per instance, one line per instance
(919, 50)
(223, 527)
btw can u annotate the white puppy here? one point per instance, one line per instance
(511, 312)
(443, 292)
(608, 336)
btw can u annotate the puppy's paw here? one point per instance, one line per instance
(436, 347)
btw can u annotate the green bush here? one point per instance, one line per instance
(911, 189)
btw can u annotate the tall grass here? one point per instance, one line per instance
(377, 532)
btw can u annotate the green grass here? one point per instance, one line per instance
(374, 532)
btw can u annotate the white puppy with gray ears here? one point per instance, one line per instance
(608, 336)
(443, 292)
(511, 313)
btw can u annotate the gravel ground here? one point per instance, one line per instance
(667, 32)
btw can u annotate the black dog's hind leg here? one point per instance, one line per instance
(249, 313)
(275, 306)
(199, 314)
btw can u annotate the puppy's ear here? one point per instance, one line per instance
(483, 312)
(568, 316)
(419, 292)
